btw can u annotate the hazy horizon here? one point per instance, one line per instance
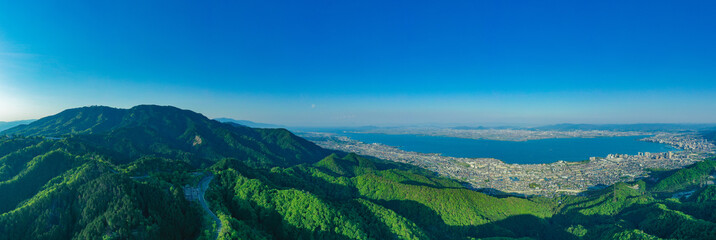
(366, 63)
(424, 124)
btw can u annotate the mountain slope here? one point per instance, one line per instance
(91, 202)
(364, 199)
(126, 134)
(85, 120)
(131, 174)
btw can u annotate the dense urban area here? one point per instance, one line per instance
(496, 177)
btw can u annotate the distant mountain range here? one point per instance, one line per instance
(159, 172)
(248, 123)
(7, 125)
(483, 127)
(644, 127)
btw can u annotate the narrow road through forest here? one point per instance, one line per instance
(203, 186)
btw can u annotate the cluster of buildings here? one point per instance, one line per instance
(682, 141)
(552, 179)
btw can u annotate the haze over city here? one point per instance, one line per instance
(367, 63)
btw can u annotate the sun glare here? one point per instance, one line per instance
(9, 105)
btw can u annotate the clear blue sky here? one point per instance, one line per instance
(328, 63)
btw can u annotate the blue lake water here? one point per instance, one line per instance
(526, 152)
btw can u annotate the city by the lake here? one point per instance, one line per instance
(520, 152)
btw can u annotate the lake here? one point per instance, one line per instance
(526, 152)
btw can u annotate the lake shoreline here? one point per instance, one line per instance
(537, 151)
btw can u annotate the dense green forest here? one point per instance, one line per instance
(105, 173)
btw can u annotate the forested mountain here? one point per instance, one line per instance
(105, 173)
(126, 134)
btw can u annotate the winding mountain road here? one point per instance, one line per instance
(203, 186)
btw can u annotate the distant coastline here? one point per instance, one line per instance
(533, 151)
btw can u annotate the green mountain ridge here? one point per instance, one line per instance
(126, 134)
(108, 173)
